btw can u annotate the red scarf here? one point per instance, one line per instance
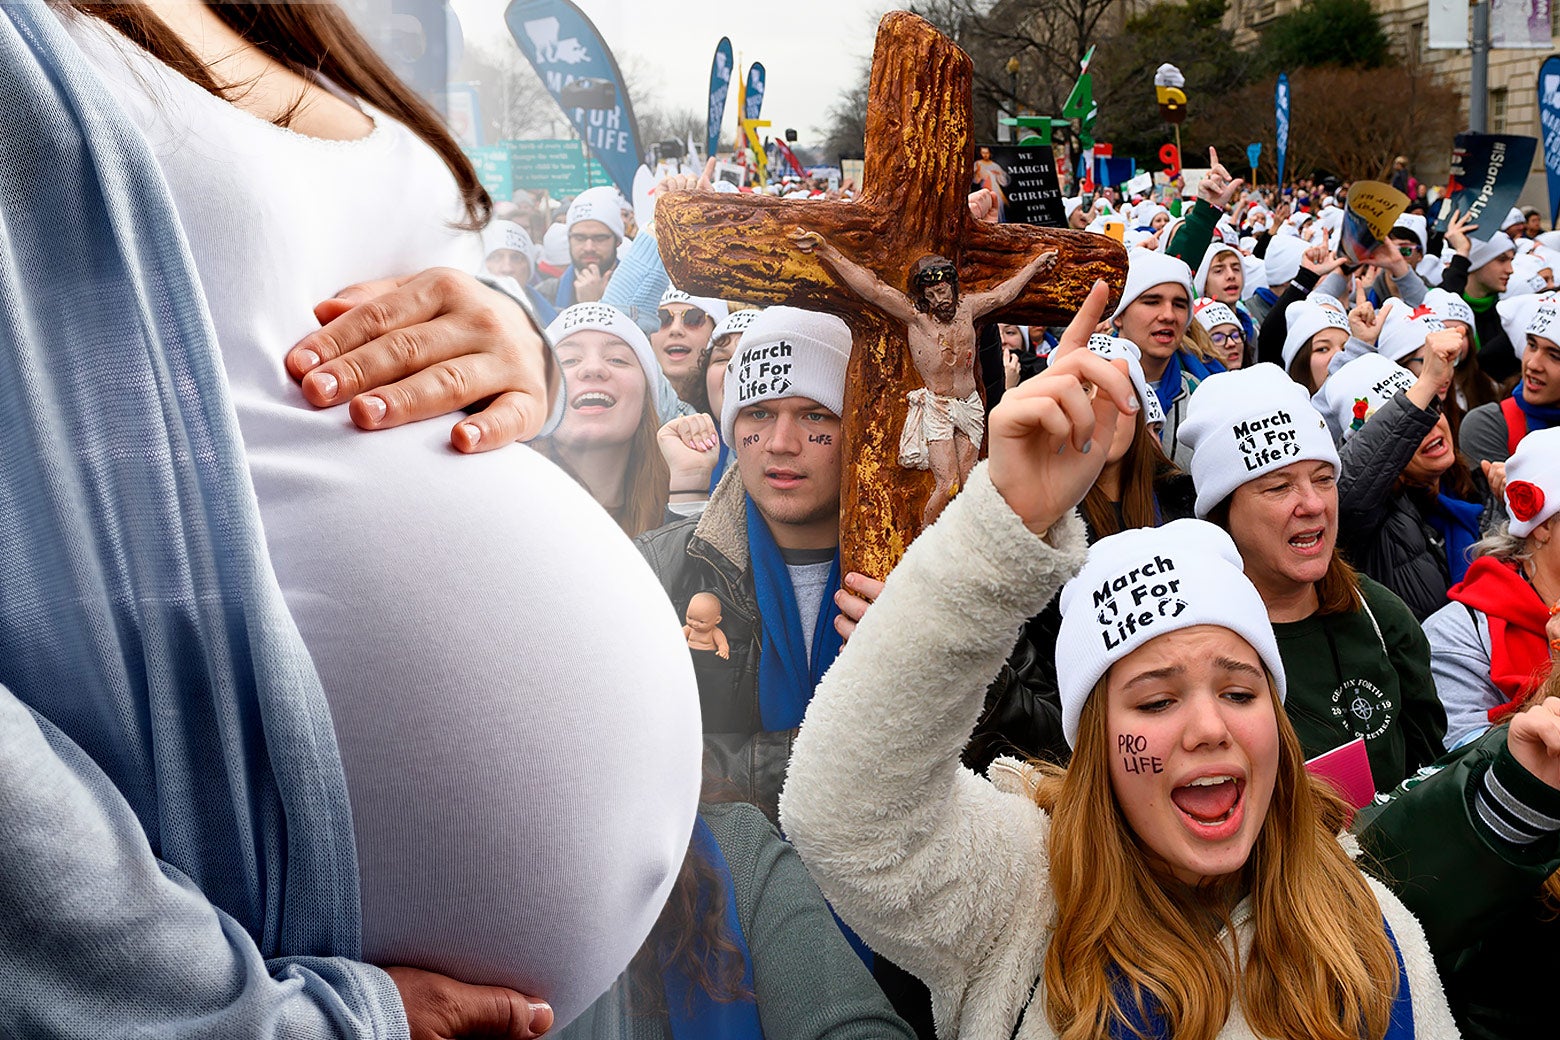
(1519, 650)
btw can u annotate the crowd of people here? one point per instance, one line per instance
(331, 710)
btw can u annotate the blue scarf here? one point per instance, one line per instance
(1266, 295)
(691, 1013)
(1457, 522)
(1151, 1024)
(1169, 387)
(1539, 416)
(139, 614)
(787, 675)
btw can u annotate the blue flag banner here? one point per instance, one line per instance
(720, 86)
(1549, 127)
(579, 72)
(753, 97)
(1281, 122)
(1253, 154)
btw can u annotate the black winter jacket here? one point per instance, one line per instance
(1381, 528)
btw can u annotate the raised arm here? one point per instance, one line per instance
(858, 279)
(1007, 292)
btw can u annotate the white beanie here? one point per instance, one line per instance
(1070, 206)
(1329, 300)
(1415, 223)
(716, 309)
(1242, 424)
(1403, 331)
(1282, 262)
(1525, 277)
(1306, 319)
(1448, 306)
(1524, 246)
(1481, 253)
(1543, 321)
(1516, 216)
(1146, 269)
(1147, 582)
(787, 352)
(1517, 316)
(1358, 390)
(1210, 314)
(1549, 240)
(1113, 347)
(735, 321)
(1532, 481)
(555, 246)
(601, 317)
(506, 234)
(1211, 254)
(1148, 211)
(603, 204)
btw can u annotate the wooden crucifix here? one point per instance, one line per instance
(908, 269)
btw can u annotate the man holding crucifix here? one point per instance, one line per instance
(946, 419)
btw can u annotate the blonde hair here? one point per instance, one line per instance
(1198, 342)
(1320, 964)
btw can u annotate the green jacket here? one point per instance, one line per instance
(1365, 674)
(1466, 845)
(808, 983)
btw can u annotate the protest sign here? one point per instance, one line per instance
(1140, 184)
(1369, 213)
(1520, 24)
(1024, 179)
(1488, 173)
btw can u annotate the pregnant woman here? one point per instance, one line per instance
(443, 600)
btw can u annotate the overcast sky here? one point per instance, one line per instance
(810, 50)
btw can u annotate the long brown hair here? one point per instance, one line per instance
(646, 480)
(1142, 465)
(1320, 964)
(308, 39)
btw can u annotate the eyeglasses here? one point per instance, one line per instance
(692, 318)
(579, 238)
(1221, 338)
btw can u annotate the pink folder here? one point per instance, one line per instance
(1347, 768)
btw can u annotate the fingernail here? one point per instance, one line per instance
(326, 386)
(349, 295)
(307, 359)
(1061, 447)
(1088, 446)
(375, 407)
(1133, 404)
(472, 430)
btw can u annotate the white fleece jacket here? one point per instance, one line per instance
(944, 872)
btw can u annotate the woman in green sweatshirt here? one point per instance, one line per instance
(1266, 470)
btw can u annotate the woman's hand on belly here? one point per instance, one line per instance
(440, 1008)
(404, 349)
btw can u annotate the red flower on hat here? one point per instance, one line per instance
(1361, 406)
(1525, 500)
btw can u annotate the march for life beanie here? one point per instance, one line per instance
(603, 204)
(1210, 314)
(1245, 423)
(1481, 253)
(1448, 306)
(1112, 347)
(599, 317)
(1358, 390)
(735, 321)
(1403, 331)
(716, 309)
(1305, 319)
(787, 352)
(1144, 583)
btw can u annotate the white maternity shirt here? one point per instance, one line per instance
(516, 710)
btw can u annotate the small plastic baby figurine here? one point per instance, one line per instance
(703, 628)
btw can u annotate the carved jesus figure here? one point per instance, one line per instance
(946, 418)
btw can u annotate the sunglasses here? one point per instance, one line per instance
(1221, 338)
(692, 318)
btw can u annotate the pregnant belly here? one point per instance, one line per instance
(514, 703)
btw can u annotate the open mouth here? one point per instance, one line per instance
(1308, 541)
(593, 400)
(1209, 802)
(1435, 448)
(676, 351)
(1165, 337)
